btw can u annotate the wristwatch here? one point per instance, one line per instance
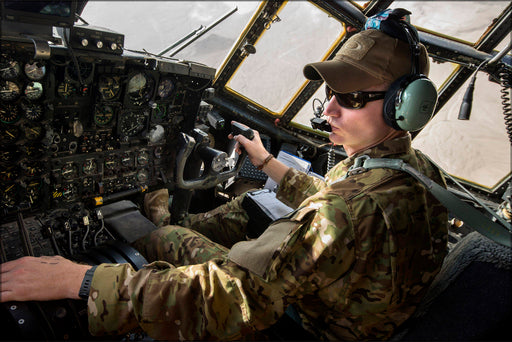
(86, 283)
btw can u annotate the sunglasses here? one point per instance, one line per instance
(355, 100)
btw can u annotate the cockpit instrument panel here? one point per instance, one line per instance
(82, 124)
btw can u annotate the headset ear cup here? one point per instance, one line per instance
(389, 109)
(410, 102)
(418, 102)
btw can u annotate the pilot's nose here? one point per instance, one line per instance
(332, 108)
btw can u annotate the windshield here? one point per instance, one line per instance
(476, 150)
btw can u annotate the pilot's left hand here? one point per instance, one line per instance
(40, 278)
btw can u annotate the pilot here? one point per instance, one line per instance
(352, 262)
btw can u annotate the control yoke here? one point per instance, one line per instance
(195, 148)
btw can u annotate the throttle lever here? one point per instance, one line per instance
(237, 128)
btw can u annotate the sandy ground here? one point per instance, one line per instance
(476, 150)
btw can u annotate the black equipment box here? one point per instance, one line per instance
(94, 38)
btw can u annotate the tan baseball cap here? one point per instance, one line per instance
(368, 58)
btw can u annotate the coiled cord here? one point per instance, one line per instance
(330, 158)
(505, 102)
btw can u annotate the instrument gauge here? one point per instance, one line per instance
(33, 131)
(34, 90)
(131, 123)
(9, 113)
(9, 134)
(69, 171)
(80, 74)
(10, 69)
(89, 167)
(10, 173)
(108, 87)
(32, 168)
(33, 192)
(103, 115)
(9, 91)
(35, 71)
(140, 87)
(142, 175)
(32, 111)
(165, 88)
(143, 158)
(69, 191)
(127, 159)
(8, 198)
(111, 162)
(66, 89)
(159, 112)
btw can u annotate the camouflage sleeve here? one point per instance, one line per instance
(296, 186)
(221, 299)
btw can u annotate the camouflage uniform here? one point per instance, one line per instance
(354, 260)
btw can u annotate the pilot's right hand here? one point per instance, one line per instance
(255, 149)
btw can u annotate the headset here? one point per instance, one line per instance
(410, 100)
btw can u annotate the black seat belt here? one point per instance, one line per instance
(499, 232)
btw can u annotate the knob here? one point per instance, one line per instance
(84, 42)
(99, 44)
(113, 46)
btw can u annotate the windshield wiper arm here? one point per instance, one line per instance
(187, 37)
(197, 33)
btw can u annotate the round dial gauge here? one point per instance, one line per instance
(35, 71)
(32, 168)
(10, 173)
(33, 191)
(33, 131)
(34, 90)
(9, 192)
(131, 123)
(143, 158)
(89, 167)
(9, 91)
(9, 113)
(69, 171)
(127, 159)
(81, 74)
(69, 191)
(32, 111)
(111, 162)
(103, 115)
(108, 87)
(142, 175)
(159, 112)
(139, 89)
(165, 88)
(66, 89)
(9, 134)
(10, 69)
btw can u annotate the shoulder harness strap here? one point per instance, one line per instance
(499, 232)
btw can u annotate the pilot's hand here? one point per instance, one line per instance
(255, 149)
(42, 278)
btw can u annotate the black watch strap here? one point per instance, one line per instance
(86, 283)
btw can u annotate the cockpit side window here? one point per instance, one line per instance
(300, 33)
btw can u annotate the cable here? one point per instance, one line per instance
(505, 101)
(330, 158)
